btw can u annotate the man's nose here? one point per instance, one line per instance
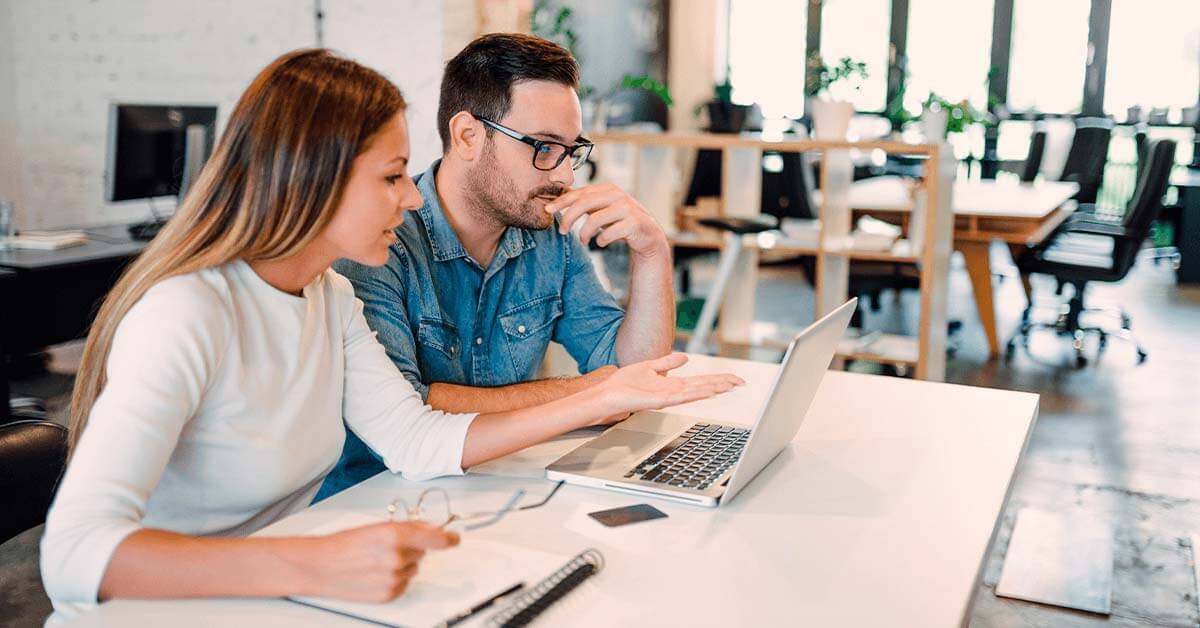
(563, 174)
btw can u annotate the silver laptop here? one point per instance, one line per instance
(707, 462)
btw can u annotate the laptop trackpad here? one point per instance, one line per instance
(616, 446)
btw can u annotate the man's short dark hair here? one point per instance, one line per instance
(479, 79)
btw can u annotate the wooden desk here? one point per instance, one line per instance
(880, 513)
(984, 211)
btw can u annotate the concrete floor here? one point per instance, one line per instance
(1115, 440)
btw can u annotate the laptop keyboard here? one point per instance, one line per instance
(695, 459)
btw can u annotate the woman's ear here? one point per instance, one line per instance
(466, 136)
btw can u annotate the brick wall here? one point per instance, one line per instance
(62, 63)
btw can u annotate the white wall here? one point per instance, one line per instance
(404, 41)
(8, 105)
(65, 61)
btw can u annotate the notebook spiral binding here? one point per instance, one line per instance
(535, 600)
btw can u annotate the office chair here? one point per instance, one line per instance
(32, 457)
(1033, 160)
(1087, 156)
(1087, 251)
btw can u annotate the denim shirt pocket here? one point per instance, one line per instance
(528, 329)
(437, 339)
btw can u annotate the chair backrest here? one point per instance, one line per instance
(32, 457)
(1139, 143)
(1147, 201)
(1087, 156)
(802, 183)
(1033, 161)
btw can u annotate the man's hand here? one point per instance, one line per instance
(611, 214)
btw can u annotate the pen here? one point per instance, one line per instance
(461, 617)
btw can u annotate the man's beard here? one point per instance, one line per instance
(495, 196)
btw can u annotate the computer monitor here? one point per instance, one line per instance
(156, 150)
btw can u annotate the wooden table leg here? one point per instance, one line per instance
(979, 268)
(1015, 250)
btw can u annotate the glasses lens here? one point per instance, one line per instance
(547, 156)
(580, 155)
(434, 508)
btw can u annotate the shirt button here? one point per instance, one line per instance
(453, 349)
(479, 341)
(520, 329)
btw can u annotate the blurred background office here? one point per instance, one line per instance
(1074, 130)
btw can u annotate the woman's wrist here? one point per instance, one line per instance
(588, 406)
(304, 559)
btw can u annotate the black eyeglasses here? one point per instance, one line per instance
(547, 154)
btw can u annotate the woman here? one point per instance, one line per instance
(217, 374)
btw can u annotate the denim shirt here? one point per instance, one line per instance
(444, 318)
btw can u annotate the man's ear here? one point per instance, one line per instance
(466, 136)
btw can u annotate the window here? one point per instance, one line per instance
(767, 40)
(859, 29)
(1049, 55)
(1153, 56)
(949, 51)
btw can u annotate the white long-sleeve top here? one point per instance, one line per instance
(223, 412)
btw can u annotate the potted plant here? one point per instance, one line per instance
(827, 88)
(724, 115)
(940, 117)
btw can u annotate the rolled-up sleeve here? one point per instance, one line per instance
(382, 407)
(162, 356)
(381, 290)
(591, 317)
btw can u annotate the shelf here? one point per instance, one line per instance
(884, 348)
(718, 141)
(878, 256)
(767, 241)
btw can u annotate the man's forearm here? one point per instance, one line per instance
(459, 398)
(649, 326)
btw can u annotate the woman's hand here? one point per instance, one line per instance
(374, 563)
(646, 386)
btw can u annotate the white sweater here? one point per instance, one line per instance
(223, 412)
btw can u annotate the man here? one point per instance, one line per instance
(487, 272)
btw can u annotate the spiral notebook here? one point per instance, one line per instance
(454, 581)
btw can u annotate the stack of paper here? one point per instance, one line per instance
(47, 240)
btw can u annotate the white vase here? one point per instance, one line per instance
(933, 125)
(831, 119)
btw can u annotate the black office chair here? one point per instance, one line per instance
(32, 457)
(1089, 251)
(1033, 160)
(1087, 156)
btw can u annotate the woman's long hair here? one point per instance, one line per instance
(271, 186)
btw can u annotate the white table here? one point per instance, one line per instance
(1018, 214)
(880, 513)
